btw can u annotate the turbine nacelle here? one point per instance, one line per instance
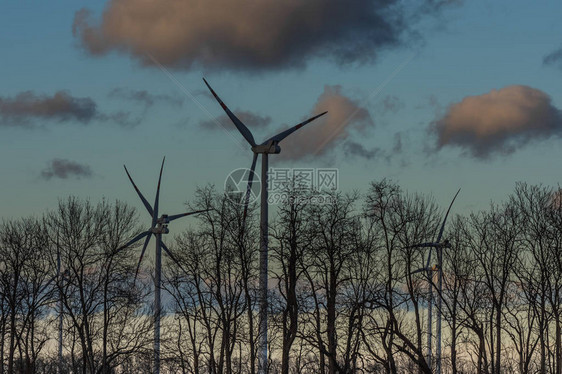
(270, 147)
(160, 229)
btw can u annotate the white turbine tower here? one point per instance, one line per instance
(270, 146)
(158, 227)
(438, 245)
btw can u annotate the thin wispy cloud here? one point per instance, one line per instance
(554, 58)
(390, 104)
(355, 149)
(123, 119)
(249, 35)
(250, 119)
(65, 169)
(145, 98)
(498, 122)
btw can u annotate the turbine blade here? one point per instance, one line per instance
(246, 133)
(142, 253)
(445, 219)
(284, 134)
(135, 239)
(249, 190)
(157, 200)
(146, 204)
(173, 257)
(176, 216)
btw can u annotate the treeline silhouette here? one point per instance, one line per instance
(343, 298)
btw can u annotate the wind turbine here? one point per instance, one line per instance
(438, 245)
(158, 227)
(270, 146)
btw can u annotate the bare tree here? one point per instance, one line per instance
(291, 233)
(24, 280)
(100, 301)
(215, 288)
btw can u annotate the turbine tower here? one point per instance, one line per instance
(158, 227)
(270, 146)
(438, 245)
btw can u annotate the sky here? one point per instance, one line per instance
(434, 95)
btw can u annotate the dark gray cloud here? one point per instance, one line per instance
(252, 120)
(144, 97)
(64, 169)
(28, 109)
(498, 122)
(250, 35)
(62, 107)
(554, 58)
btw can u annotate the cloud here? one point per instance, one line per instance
(61, 107)
(391, 104)
(498, 122)
(325, 133)
(144, 97)
(249, 35)
(252, 120)
(554, 58)
(27, 108)
(123, 119)
(64, 169)
(352, 148)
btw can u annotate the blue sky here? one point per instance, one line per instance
(464, 49)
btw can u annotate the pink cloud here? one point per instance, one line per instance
(498, 122)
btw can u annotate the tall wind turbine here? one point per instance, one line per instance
(270, 146)
(158, 227)
(438, 245)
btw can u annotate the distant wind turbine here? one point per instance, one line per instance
(270, 146)
(158, 227)
(438, 245)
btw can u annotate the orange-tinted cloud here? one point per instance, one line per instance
(325, 133)
(247, 35)
(498, 122)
